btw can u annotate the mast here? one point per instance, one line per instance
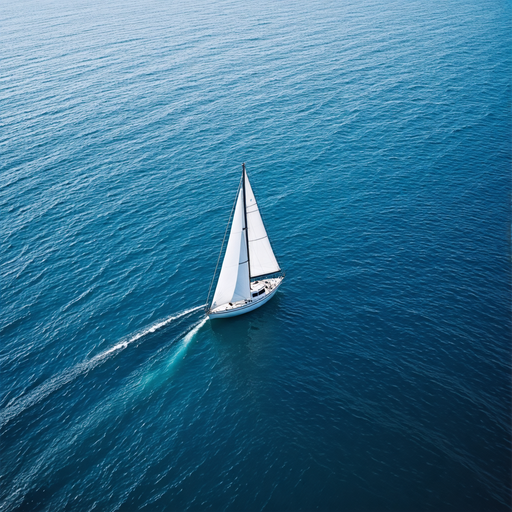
(246, 230)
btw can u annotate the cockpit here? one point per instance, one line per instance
(257, 289)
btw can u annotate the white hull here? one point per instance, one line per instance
(239, 308)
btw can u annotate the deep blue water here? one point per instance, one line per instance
(377, 136)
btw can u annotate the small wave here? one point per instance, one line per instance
(78, 299)
(56, 382)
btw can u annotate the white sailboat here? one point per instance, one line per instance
(250, 274)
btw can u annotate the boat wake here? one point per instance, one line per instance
(183, 346)
(53, 384)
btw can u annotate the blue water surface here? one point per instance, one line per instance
(377, 136)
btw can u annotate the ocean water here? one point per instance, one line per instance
(377, 136)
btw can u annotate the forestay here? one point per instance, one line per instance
(261, 255)
(234, 282)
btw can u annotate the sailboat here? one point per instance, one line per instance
(250, 274)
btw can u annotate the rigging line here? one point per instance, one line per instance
(221, 247)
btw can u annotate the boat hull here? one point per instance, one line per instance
(247, 307)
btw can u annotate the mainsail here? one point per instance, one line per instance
(234, 282)
(238, 267)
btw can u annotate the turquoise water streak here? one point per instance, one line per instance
(377, 136)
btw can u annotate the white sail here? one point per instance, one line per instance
(261, 255)
(233, 284)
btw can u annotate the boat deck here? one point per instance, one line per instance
(269, 287)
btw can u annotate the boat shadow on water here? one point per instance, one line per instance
(247, 349)
(248, 339)
(237, 329)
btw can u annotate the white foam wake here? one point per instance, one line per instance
(187, 339)
(178, 354)
(56, 382)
